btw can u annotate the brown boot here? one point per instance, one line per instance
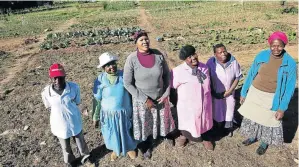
(208, 145)
(132, 154)
(113, 156)
(181, 141)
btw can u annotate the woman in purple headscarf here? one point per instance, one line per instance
(266, 93)
(146, 77)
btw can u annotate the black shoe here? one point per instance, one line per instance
(230, 132)
(70, 165)
(248, 142)
(261, 150)
(147, 154)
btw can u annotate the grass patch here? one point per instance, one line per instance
(5, 59)
(98, 18)
(120, 5)
(30, 24)
(166, 4)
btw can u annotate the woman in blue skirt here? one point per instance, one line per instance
(115, 109)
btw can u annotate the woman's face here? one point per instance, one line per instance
(111, 67)
(143, 44)
(192, 60)
(221, 55)
(277, 47)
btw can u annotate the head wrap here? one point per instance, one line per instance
(278, 35)
(139, 34)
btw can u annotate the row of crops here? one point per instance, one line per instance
(202, 39)
(89, 37)
(208, 38)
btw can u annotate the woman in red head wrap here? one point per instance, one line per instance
(266, 93)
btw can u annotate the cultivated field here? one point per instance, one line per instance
(76, 34)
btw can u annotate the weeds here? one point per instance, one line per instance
(121, 5)
(290, 10)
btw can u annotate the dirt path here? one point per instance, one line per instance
(23, 52)
(145, 23)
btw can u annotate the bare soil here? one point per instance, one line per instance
(21, 106)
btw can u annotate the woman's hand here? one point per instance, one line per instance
(279, 115)
(218, 95)
(149, 104)
(227, 93)
(242, 99)
(162, 99)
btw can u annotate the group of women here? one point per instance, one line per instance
(133, 105)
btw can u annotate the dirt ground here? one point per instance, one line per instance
(26, 139)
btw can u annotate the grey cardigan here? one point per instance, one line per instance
(142, 82)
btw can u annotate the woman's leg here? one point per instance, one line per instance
(269, 135)
(82, 146)
(207, 141)
(249, 129)
(146, 147)
(68, 155)
(128, 144)
(188, 136)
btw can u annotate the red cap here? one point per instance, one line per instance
(56, 70)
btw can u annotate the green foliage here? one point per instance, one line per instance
(104, 22)
(33, 23)
(166, 4)
(205, 39)
(89, 37)
(268, 16)
(120, 5)
(290, 10)
(292, 35)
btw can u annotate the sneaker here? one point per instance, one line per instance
(85, 159)
(262, 149)
(208, 145)
(113, 156)
(132, 154)
(248, 141)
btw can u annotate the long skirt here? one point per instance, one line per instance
(156, 122)
(116, 129)
(269, 135)
(259, 121)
